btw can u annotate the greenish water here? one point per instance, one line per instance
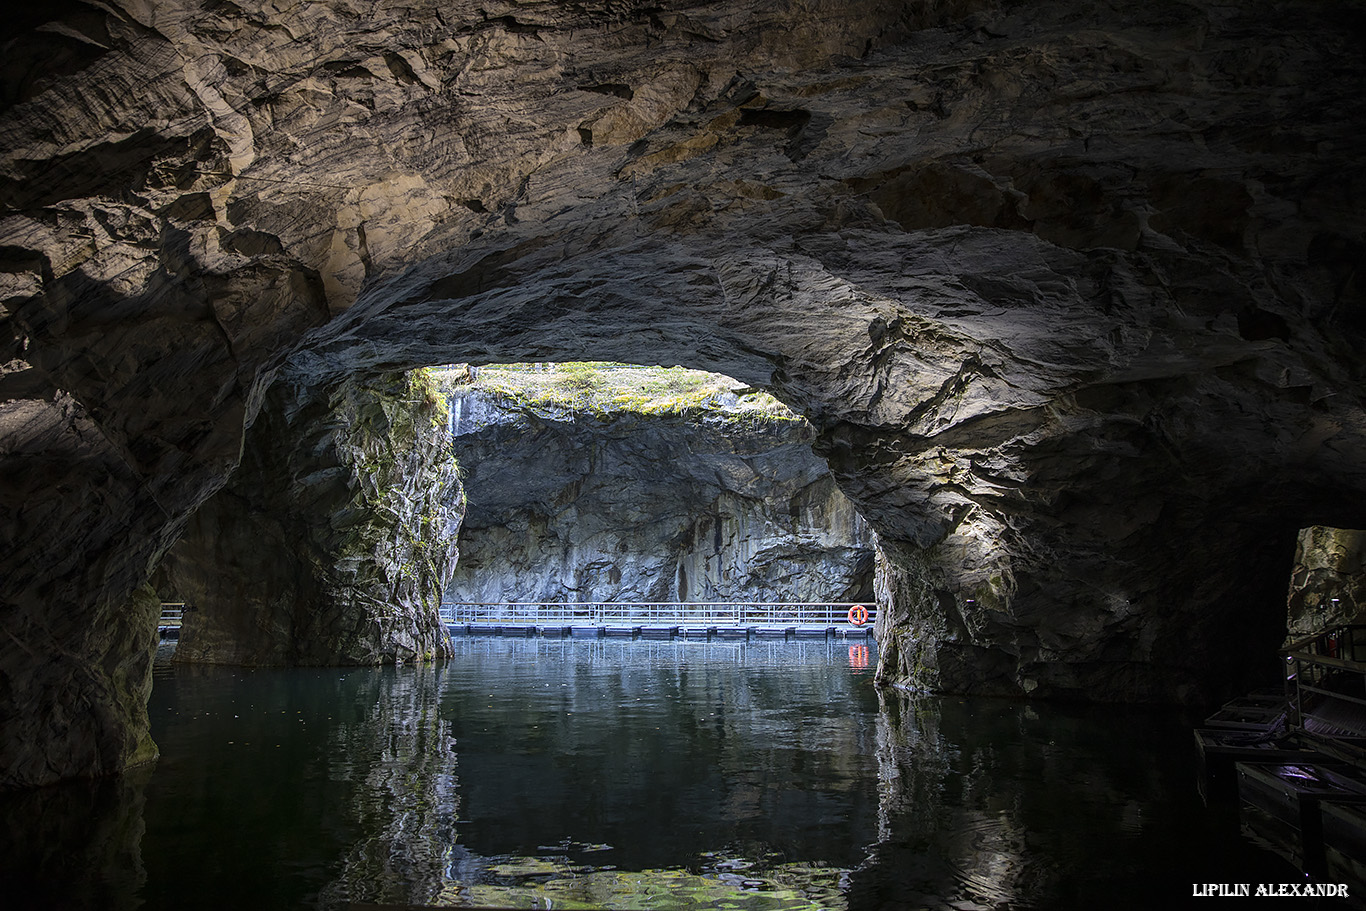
(626, 774)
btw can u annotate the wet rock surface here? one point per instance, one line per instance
(636, 507)
(1069, 291)
(334, 539)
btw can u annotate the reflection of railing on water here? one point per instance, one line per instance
(605, 613)
(656, 652)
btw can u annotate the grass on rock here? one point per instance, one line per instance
(607, 389)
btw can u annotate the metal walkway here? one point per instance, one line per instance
(653, 620)
(662, 620)
(172, 616)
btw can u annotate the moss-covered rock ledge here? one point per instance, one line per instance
(334, 540)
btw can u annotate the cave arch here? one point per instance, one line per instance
(1017, 267)
(607, 482)
(1063, 531)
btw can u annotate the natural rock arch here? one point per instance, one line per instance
(1055, 530)
(1069, 292)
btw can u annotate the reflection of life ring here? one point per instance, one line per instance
(858, 615)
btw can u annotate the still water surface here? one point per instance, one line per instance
(620, 774)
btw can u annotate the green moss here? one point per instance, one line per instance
(427, 390)
(608, 389)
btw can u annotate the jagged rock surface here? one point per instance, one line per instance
(1328, 584)
(632, 507)
(334, 539)
(85, 705)
(1069, 290)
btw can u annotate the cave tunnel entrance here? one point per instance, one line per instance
(1040, 534)
(1035, 538)
(612, 482)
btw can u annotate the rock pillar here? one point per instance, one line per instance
(334, 540)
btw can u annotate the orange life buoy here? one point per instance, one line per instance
(858, 615)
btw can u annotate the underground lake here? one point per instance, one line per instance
(632, 774)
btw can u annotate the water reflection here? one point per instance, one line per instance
(603, 773)
(996, 804)
(402, 757)
(76, 846)
(690, 769)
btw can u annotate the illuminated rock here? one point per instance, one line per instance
(334, 539)
(625, 506)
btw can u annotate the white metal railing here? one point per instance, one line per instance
(172, 613)
(605, 613)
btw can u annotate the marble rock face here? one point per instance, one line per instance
(705, 507)
(1069, 290)
(1328, 584)
(334, 539)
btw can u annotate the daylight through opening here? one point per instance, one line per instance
(626, 497)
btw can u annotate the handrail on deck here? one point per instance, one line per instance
(1336, 632)
(682, 612)
(172, 613)
(1335, 644)
(1326, 664)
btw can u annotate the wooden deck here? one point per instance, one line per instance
(1296, 761)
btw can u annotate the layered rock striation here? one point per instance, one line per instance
(1069, 291)
(625, 506)
(334, 539)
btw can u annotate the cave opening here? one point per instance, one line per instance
(603, 482)
(571, 482)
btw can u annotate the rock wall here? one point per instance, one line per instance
(1063, 290)
(1328, 585)
(84, 705)
(634, 507)
(1069, 290)
(334, 539)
